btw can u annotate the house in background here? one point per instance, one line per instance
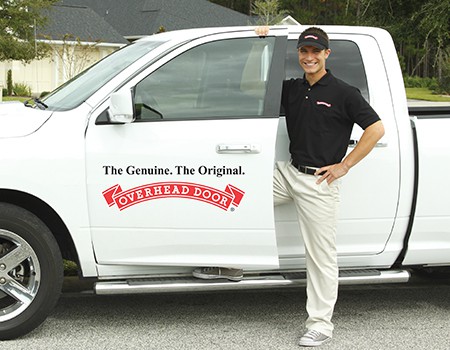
(78, 37)
(137, 18)
(81, 32)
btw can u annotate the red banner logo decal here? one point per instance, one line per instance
(125, 199)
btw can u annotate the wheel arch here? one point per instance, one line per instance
(48, 216)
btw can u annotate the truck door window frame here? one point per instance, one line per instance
(243, 91)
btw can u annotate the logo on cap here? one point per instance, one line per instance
(311, 36)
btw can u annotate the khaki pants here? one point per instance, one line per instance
(317, 209)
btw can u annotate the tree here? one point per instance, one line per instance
(75, 55)
(318, 12)
(420, 28)
(243, 6)
(18, 22)
(434, 23)
(268, 12)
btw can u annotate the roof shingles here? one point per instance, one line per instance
(78, 22)
(144, 17)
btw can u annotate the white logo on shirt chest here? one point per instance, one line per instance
(323, 103)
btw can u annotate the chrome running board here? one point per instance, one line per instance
(189, 284)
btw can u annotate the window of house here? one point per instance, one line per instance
(220, 79)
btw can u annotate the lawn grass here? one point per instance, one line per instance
(425, 94)
(15, 98)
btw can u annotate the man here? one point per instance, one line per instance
(320, 113)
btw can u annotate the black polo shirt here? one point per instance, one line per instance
(320, 118)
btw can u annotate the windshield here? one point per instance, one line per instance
(77, 90)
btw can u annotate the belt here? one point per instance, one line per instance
(305, 169)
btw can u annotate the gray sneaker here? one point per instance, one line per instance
(313, 338)
(209, 273)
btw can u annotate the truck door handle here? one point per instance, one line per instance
(353, 143)
(238, 148)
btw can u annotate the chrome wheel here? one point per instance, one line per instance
(31, 271)
(20, 275)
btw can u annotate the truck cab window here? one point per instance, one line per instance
(345, 62)
(219, 79)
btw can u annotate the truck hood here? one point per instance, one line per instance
(17, 120)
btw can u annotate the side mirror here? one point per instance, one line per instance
(121, 109)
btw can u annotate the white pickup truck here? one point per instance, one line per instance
(159, 159)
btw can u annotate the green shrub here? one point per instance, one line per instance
(444, 84)
(70, 268)
(43, 94)
(418, 82)
(434, 86)
(4, 92)
(9, 83)
(20, 89)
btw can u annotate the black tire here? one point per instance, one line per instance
(31, 271)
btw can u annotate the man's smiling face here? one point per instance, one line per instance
(312, 59)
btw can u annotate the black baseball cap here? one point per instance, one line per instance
(313, 39)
